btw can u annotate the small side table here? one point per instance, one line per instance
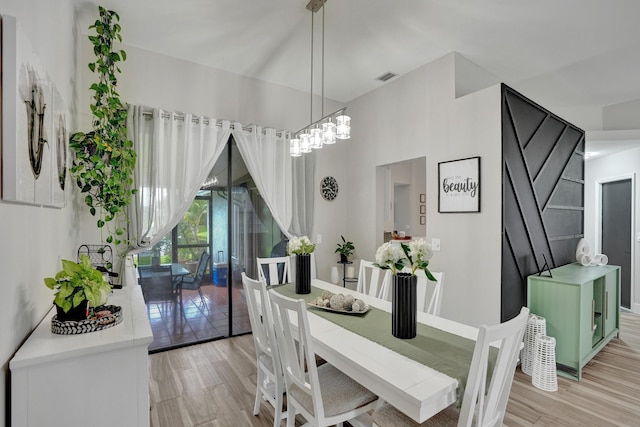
(346, 279)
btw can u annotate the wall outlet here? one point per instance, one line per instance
(435, 245)
(318, 239)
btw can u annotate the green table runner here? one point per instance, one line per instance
(442, 351)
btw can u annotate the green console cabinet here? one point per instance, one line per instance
(581, 306)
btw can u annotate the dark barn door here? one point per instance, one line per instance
(542, 193)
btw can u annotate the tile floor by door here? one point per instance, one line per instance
(197, 320)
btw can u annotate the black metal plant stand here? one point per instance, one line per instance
(346, 279)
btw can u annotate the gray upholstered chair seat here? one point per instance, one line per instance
(339, 392)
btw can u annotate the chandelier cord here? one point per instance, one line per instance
(322, 99)
(311, 85)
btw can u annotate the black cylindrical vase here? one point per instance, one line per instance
(404, 306)
(303, 274)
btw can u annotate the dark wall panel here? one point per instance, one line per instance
(575, 168)
(543, 194)
(569, 193)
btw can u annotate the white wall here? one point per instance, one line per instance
(418, 115)
(621, 165)
(34, 239)
(156, 80)
(330, 217)
(622, 116)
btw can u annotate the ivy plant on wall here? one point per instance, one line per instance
(104, 157)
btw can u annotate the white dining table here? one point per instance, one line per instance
(415, 389)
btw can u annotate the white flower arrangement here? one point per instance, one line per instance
(415, 255)
(300, 246)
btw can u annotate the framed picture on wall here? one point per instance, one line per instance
(423, 220)
(459, 185)
(28, 137)
(423, 209)
(423, 198)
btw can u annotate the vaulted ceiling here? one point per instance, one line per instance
(568, 53)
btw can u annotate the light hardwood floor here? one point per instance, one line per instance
(213, 384)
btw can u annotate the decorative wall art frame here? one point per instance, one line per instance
(34, 125)
(459, 185)
(423, 198)
(423, 220)
(59, 150)
(423, 209)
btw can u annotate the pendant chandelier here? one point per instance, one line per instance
(329, 128)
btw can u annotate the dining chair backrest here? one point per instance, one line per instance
(296, 350)
(372, 280)
(157, 283)
(267, 355)
(260, 317)
(489, 409)
(429, 293)
(274, 270)
(202, 266)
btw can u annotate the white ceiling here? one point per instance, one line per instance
(582, 53)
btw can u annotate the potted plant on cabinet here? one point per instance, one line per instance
(77, 286)
(345, 249)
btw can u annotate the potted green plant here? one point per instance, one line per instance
(345, 249)
(104, 158)
(76, 286)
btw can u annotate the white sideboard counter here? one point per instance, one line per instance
(98, 378)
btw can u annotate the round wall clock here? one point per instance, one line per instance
(329, 188)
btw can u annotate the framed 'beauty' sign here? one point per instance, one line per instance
(459, 185)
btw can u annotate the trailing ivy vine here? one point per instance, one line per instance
(104, 157)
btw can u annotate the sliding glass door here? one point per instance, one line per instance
(229, 220)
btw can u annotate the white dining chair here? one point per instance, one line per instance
(486, 409)
(270, 380)
(323, 395)
(429, 293)
(372, 280)
(277, 267)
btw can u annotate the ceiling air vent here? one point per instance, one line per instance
(386, 76)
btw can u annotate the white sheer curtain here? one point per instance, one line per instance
(176, 152)
(267, 158)
(303, 191)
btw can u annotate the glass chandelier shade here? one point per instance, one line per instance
(343, 127)
(305, 143)
(316, 138)
(329, 132)
(294, 147)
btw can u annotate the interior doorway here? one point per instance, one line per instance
(401, 198)
(616, 205)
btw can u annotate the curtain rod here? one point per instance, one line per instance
(181, 117)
